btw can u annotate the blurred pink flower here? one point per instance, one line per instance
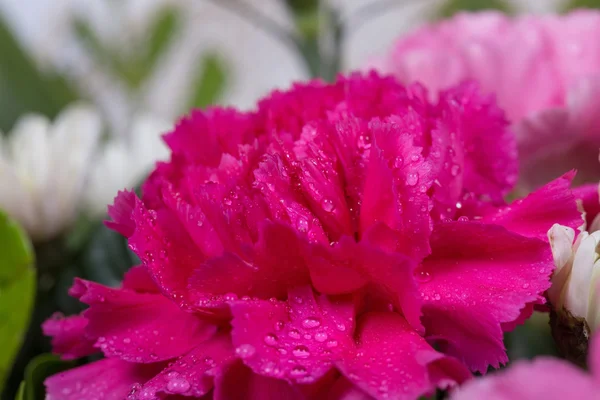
(544, 71)
(319, 247)
(543, 378)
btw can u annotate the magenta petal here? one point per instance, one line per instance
(139, 280)
(588, 195)
(391, 360)
(534, 215)
(192, 374)
(544, 378)
(396, 183)
(108, 379)
(348, 266)
(139, 327)
(68, 336)
(274, 264)
(240, 383)
(478, 277)
(490, 160)
(296, 341)
(120, 213)
(165, 248)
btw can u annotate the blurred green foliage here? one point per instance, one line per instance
(133, 67)
(452, 7)
(209, 82)
(24, 87)
(573, 4)
(17, 291)
(38, 369)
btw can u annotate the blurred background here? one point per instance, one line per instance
(157, 59)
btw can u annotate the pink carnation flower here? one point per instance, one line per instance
(544, 71)
(544, 378)
(319, 247)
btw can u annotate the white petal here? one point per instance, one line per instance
(578, 287)
(74, 136)
(561, 241)
(110, 174)
(593, 315)
(147, 143)
(30, 152)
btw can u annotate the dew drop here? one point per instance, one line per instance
(341, 327)
(178, 385)
(301, 352)
(298, 371)
(327, 205)
(294, 334)
(271, 339)
(320, 336)
(455, 170)
(278, 325)
(463, 218)
(230, 297)
(422, 275)
(311, 323)
(332, 343)
(525, 285)
(245, 351)
(398, 161)
(412, 178)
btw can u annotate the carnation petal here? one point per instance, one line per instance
(192, 374)
(68, 336)
(544, 378)
(396, 183)
(589, 197)
(120, 212)
(297, 340)
(534, 215)
(107, 379)
(274, 264)
(238, 382)
(391, 360)
(478, 277)
(139, 327)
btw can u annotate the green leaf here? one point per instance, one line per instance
(36, 372)
(573, 4)
(209, 83)
(161, 36)
(23, 87)
(452, 7)
(17, 291)
(21, 393)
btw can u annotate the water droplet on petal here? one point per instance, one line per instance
(278, 325)
(301, 352)
(332, 343)
(455, 170)
(341, 327)
(463, 218)
(327, 205)
(422, 275)
(311, 323)
(245, 351)
(294, 334)
(412, 178)
(178, 385)
(271, 339)
(320, 336)
(298, 371)
(525, 285)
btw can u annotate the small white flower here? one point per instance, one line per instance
(575, 283)
(43, 167)
(50, 172)
(123, 163)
